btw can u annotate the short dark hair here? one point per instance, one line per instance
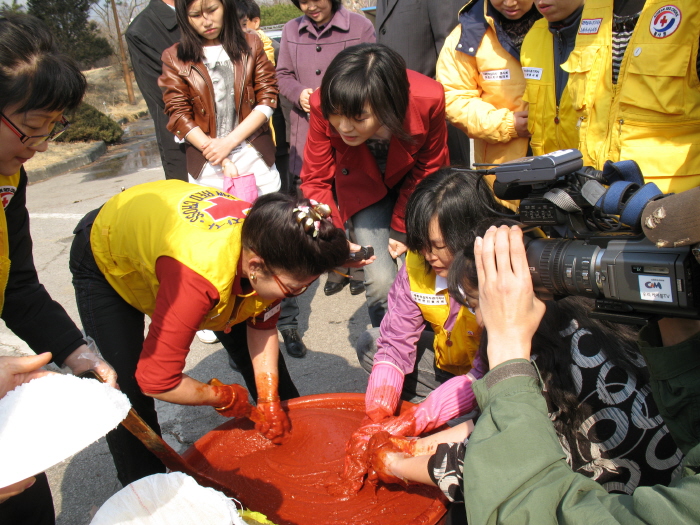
(232, 36)
(457, 199)
(33, 73)
(272, 232)
(367, 74)
(335, 4)
(252, 9)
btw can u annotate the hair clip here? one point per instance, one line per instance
(310, 216)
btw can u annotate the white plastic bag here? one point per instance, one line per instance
(73, 412)
(167, 499)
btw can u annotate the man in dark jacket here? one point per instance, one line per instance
(428, 22)
(151, 32)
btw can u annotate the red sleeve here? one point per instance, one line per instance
(318, 170)
(183, 300)
(432, 156)
(267, 320)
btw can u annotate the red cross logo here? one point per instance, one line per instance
(5, 197)
(663, 21)
(223, 207)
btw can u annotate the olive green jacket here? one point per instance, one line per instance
(515, 471)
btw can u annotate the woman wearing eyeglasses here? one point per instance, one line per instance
(37, 85)
(191, 258)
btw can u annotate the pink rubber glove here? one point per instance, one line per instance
(450, 400)
(383, 391)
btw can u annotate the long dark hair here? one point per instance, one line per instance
(552, 349)
(458, 201)
(232, 36)
(33, 73)
(272, 231)
(368, 74)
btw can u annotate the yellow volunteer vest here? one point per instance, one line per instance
(9, 182)
(552, 127)
(652, 114)
(454, 350)
(199, 227)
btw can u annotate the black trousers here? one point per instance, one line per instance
(34, 506)
(118, 329)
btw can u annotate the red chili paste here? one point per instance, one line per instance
(289, 482)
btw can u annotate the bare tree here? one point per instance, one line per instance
(126, 10)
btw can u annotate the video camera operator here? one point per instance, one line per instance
(517, 468)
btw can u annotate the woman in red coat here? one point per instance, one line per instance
(376, 131)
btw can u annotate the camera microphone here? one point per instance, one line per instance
(673, 221)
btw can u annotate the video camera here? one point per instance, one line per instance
(597, 254)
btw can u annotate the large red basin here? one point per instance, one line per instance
(288, 482)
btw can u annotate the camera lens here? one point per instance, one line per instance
(563, 267)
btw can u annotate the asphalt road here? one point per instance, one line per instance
(329, 326)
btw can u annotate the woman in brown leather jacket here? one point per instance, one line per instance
(219, 90)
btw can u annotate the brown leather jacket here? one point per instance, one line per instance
(188, 94)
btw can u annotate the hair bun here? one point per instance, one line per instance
(311, 215)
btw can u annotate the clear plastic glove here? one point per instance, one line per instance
(88, 358)
(356, 460)
(232, 400)
(384, 452)
(271, 421)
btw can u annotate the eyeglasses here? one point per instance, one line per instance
(288, 292)
(32, 141)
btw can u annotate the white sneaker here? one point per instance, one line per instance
(207, 336)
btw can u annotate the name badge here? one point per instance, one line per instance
(532, 73)
(589, 26)
(496, 74)
(271, 312)
(429, 299)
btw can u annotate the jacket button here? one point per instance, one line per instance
(383, 30)
(251, 101)
(318, 48)
(179, 132)
(202, 110)
(344, 171)
(318, 71)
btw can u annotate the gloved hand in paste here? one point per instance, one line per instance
(451, 399)
(383, 391)
(88, 357)
(232, 399)
(270, 420)
(383, 452)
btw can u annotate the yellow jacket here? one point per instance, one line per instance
(455, 349)
(652, 114)
(483, 86)
(267, 45)
(552, 127)
(5, 242)
(199, 227)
